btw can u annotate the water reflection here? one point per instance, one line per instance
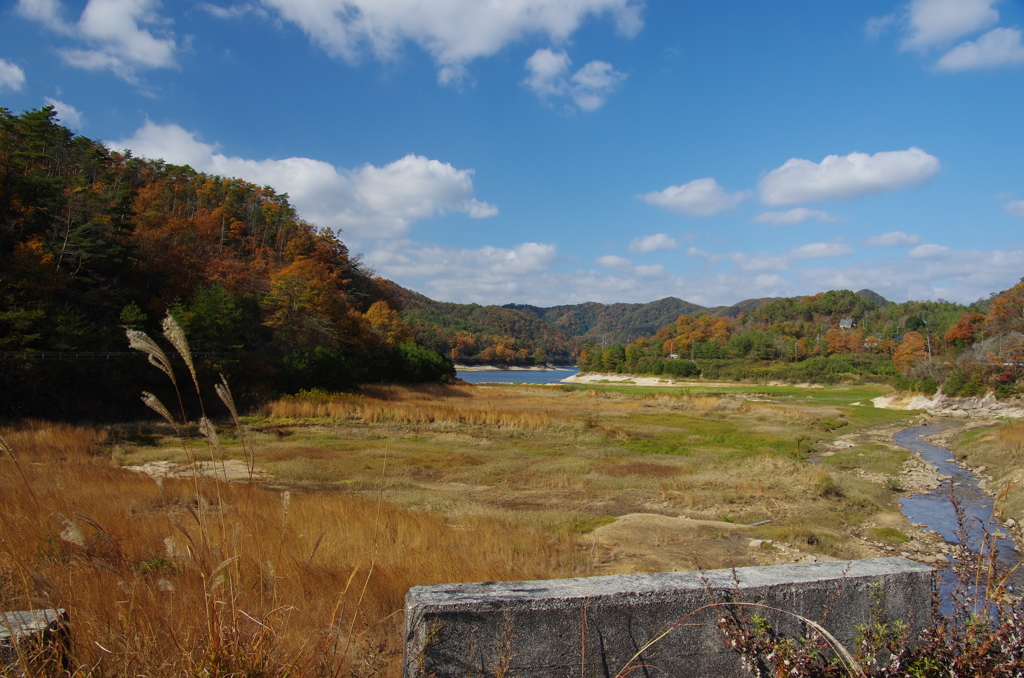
(516, 376)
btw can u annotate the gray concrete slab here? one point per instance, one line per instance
(593, 626)
(19, 628)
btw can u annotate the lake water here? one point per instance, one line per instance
(516, 376)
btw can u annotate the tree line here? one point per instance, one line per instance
(93, 241)
(839, 335)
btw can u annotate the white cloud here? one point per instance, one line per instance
(589, 87)
(232, 11)
(453, 32)
(1015, 207)
(700, 197)
(495, 275)
(702, 254)
(760, 262)
(11, 76)
(956, 275)
(782, 262)
(653, 271)
(653, 243)
(794, 216)
(929, 252)
(894, 239)
(935, 22)
(111, 31)
(821, 250)
(848, 176)
(877, 25)
(486, 275)
(369, 202)
(625, 266)
(66, 113)
(47, 12)
(998, 47)
(612, 261)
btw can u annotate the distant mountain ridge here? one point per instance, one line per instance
(521, 333)
(621, 323)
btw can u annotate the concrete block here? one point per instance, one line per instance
(593, 626)
(30, 630)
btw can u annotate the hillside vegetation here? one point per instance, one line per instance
(93, 241)
(839, 335)
(521, 334)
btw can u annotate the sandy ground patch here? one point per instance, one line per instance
(633, 380)
(231, 469)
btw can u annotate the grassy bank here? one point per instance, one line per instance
(999, 448)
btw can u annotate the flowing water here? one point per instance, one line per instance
(935, 510)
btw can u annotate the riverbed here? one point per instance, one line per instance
(937, 509)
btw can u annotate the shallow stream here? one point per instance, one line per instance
(935, 510)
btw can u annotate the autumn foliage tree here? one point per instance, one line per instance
(1007, 313)
(964, 333)
(911, 351)
(93, 239)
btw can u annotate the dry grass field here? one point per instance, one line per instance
(301, 567)
(999, 447)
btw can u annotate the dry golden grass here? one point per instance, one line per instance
(198, 576)
(492, 407)
(1000, 451)
(603, 453)
(1011, 436)
(416, 405)
(201, 577)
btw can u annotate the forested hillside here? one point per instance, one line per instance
(93, 241)
(521, 334)
(839, 335)
(486, 334)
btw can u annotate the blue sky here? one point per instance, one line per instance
(562, 151)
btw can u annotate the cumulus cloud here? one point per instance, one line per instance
(653, 243)
(370, 202)
(848, 176)
(936, 22)
(929, 252)
(780, 262)
(894, 239)
(232, 11)
(1015, 207)
(794, 216)
(485, 275)
(612, 261)
(589, 87)
(529, 273)
(821, 250)
(11, 76)
(998, 47)
(935, 273)
(112, 32)
(626, 267)
(453, 32)
(66, 113)
(700, 197)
